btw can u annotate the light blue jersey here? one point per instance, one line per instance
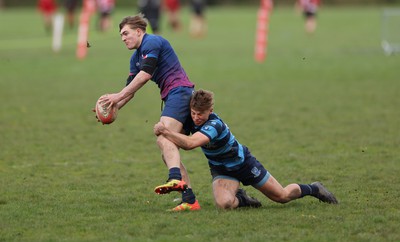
(223, 149)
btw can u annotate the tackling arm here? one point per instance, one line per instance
(185, 142)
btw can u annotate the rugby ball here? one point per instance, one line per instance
(104, 114)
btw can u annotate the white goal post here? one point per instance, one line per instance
(391, 31)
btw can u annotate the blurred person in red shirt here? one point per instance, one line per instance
(47, 8)
(173, 8)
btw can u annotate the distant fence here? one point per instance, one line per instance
(22, 3)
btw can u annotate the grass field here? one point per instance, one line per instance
(322, 107)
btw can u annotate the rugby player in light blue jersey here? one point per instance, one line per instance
(155, 59)
(231, 162)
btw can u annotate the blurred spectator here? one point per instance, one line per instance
(105, 8)
(70, 6)
(198, 25)
(47, 8)
(173, 8)
(309, 9)
(151, 11)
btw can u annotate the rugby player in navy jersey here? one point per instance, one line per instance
(155, 59)
(231, 162)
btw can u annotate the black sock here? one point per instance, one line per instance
(241, 199)
(188, 196)
(174, 173)
(308, 190)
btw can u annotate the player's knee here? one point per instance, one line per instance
(282, 201)
(161, 141)
(225, 203)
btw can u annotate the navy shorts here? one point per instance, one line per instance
(309, 14)
(177, 105)
(250, 172)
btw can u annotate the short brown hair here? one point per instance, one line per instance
(134, 22)
(202, 100)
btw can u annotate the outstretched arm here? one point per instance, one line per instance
(185, 142)
(127, 93)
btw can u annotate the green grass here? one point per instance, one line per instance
(322, 107)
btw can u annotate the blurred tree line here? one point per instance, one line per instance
(14, 3)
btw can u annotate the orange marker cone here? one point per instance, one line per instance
(264, 11)
(83, 30)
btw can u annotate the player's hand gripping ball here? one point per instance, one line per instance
(104, 114)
